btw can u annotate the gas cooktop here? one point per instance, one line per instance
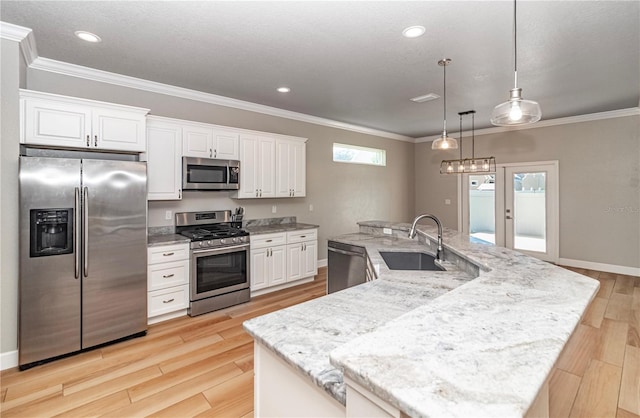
(210, 229)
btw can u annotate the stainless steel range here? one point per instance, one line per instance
(219, 275)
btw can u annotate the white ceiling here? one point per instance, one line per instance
(347, 60)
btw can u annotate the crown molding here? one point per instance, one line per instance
(633, 111)
(59, 67)
(22, 35)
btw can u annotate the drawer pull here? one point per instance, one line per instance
(303, 236)
(269, 240)
(166, 276)
(168, 254)
(168, 301)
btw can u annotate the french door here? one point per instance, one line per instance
(515, 207)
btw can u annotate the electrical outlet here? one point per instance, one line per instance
(387, 231)
(310, 208)
(447, 201)
(167, 215)
(274, 209)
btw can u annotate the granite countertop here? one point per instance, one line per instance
(272, 228)
(166, 239)
(439, 343)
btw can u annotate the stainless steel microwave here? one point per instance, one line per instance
(210, 174)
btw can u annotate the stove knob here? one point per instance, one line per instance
(235, 240)
(200, 244)
(222, 241)
(209, 243)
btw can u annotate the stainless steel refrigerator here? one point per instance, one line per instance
(83, 254)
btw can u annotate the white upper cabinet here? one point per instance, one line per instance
(272, 166)
(210, 142)
(164, 160)
(257, 166)
(60, 121)
(290, 168)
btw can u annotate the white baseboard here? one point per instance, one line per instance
(322, 263)
(610, 268)
(9, 360)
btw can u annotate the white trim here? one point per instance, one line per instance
(323, 263)
(610, 268)
(59, 67)
(621, 113)
(9, 360)
(22, 35)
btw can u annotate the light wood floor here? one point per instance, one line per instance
(203, 366)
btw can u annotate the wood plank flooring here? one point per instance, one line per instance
(203, 366)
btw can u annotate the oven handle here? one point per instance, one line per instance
(214, 250)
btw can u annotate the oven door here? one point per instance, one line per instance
(218, 271)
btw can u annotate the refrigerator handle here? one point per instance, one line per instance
(76, 232)
(85, 231)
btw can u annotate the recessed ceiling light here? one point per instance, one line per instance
(87, 36)
(425, 98)
(284, 89)
(413, 31)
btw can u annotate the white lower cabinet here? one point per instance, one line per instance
(167, 281)
(268, 265)
(278, 260)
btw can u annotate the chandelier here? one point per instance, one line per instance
(468, 165)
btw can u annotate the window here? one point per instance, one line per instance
(343, 153)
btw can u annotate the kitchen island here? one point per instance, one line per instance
(478, 339)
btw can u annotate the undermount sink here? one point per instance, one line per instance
(402, 260)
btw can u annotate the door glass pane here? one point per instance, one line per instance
(482, 219)
(529, 206)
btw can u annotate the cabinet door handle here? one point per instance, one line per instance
(88, 140)
(168, 254)
(256, 192)
(166, 276)
(179, 194)
(210, 152)
(215, 153)
(168, 301)
(305, 247)
(95, 140)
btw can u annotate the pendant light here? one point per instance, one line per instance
(516, 111)
(468, 165)
(444, 142)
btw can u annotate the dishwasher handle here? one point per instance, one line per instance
(351, 253)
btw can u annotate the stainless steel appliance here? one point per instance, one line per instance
(83, 253)
(210, 174)
(346, 266)
(219, 275)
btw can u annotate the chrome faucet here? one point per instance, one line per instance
(412, 231)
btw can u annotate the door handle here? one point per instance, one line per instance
(76, 232)
(85, 231)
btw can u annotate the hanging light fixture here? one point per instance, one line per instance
(444, 142)
(516, 111)
(468, 165)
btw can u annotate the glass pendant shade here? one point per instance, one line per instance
(516, 111)
(445, 142)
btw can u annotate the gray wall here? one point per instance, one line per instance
(12, 68)
(599, 164)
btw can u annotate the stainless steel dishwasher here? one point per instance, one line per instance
(347, 266)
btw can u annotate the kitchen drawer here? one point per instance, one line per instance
(165, 253)
(163, 275)
(160, 302)
(267, 240)
(302, 235)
